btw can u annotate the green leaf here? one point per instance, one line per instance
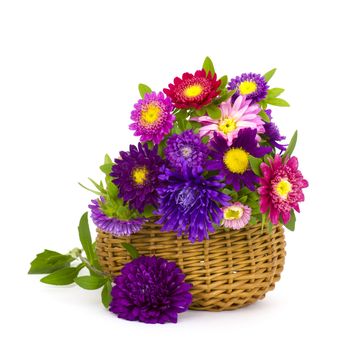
(224, 81)
(90, 282)
(213, 111)
(263, 221)
(208, 66)
(264, 116)
(181, 114)
(148, 211)
(275, 101)
(106, 294)
(274, 92)
(270, 74)
(255, 165)
(62, 277)
(49, 261)
(144, 89)
(85, 237)
(106, 168)
(243, 199)
(291, 145)
(98, 186)
(131, 250)
(89, 189)
(290, 225)
(108, 159)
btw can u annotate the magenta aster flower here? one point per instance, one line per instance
(153, 117)
(193, 90)
(186, 149)
(150, 290)
(136, 176)
(232, 162)
(190, 204)
(251, 85)
(234, 117)
(112, 224)
(281, 188)
(236, 216)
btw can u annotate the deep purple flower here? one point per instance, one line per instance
(272, 134)
(190, 204)
(233, 161)
(113, 225)
(186, 149)
(251, 85)
(136, 176)
(150, 290)
(152, 116)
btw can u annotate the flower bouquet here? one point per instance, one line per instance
(192, 216)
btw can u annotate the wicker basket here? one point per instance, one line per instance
(228, 271)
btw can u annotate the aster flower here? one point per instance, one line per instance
(152, 116)
(234, 117)
(193, 90)
(251, 85)
(186, 149)
(189, 203)
(236, 216)
(136, 176)
(273, 135)
(233, 161)
(281, 188)
(150, 290)
(112, 224)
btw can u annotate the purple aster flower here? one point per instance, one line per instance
(272, 133)
(150, 290)
(153, 117)
(113, 225)
(136, 176)
(233, 161)
(251, 85)
(186, 149)
(189, 203)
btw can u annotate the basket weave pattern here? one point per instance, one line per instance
(228, 271)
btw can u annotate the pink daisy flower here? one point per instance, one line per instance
(236, 216)
(234, 117)
(281, 188)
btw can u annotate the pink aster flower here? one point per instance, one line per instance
(153, 118)
(281, 188)
(236, 216)
(234, 117)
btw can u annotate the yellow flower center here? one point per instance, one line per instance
(236, 160)
(151, 113)
(247, 87)
(140, 175)
(233, 213)
(227, 125)
(283, 188)
(193, 90)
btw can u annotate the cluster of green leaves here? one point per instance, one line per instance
(64, 269)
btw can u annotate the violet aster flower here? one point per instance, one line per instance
(233, 161)
(153, 117)
(136, 176)
(150, 290)
(272, 134)
(186, 149)
(189, 203)
(112, 224)
(251, 85)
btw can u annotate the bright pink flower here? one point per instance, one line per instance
(281, 188)
(242, 114)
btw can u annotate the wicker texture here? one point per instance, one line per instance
(228, 271)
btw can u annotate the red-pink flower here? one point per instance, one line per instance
(281, 188)
(193, 90)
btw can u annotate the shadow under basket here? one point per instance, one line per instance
(229, 270)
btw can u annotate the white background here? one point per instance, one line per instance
(68, 80)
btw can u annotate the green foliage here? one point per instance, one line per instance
(255, 165)
(144, 89)
(213, 111)
(90, 282)
(62, 277)
(270, 74)
(106, 297)
(291, 146)
(131, 250)
(85, 237)
(208, 66)
(224, 81)
(264, 116)
(49, 261)
(275, 101)
(275, 92)
(290, 225)
(149, 210)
